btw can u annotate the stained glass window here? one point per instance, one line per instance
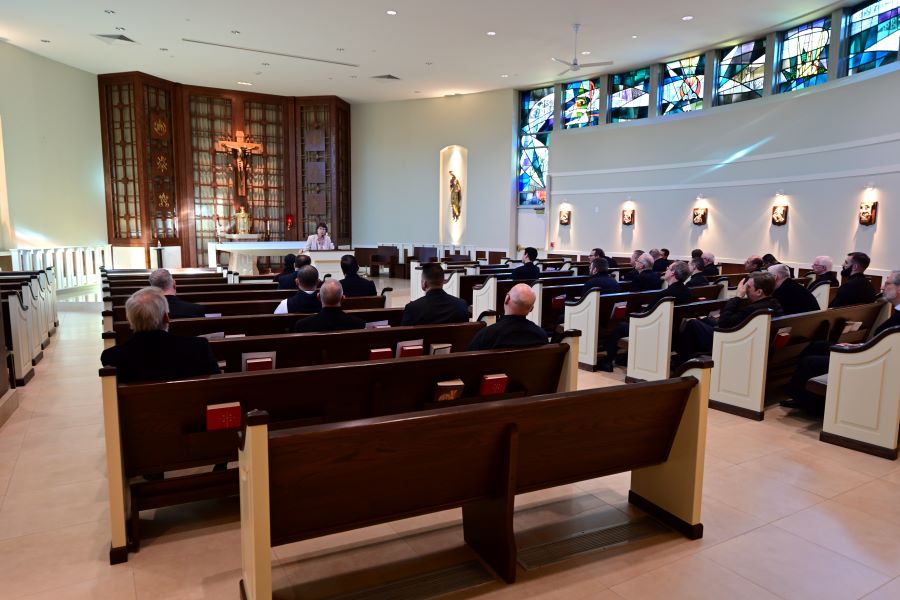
(682, 87)
(874, 36)
(629, 95)
(804, 56)
(536, 123)
(741, 72)
(581, 104)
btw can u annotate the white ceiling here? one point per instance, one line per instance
(435, 47)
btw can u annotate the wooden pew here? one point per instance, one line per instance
(9, 401)
(43, 293)
(747, 360)
(302, 483)
(35, 318)
(304, 349)
(18, 335)
(116, 289)
(823, 292)
(862, 401)
(386, 256)
(651, 335)
(490, 294)
(203, 297)
(158, 427)
(248, 325)
(591, 314)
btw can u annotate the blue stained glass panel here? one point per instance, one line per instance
(682, 87)
(874, 36)
(536, 122)
(581, 104)
(741, 72)
(804, 56)
(629, 95)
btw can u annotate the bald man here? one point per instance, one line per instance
(514, 330)
(331, 317)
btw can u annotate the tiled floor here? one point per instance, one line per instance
(785, 516)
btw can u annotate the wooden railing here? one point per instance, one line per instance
(73, 266)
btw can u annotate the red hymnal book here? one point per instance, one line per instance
(782, 337)
(259, 364)
(416, 350)
(223, 416)
(559, 302)
(620, 309)
(493, 385)
(376, 353)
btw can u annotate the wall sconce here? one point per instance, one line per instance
(700, 215)
(868, 211)
(628, 216)
(779, 214)
(565, 217)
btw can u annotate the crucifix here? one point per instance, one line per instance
(240, 150)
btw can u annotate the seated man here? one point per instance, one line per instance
(436, 306)
(152, 353)
(513, 330)
(646, 278)
(306, 299)
(352, 284)
(753, 264)
(753, 293)
(600, 278)
(815, 363)
(661, 260)
(528, 270)
(178, 308)
(287, 276)
(822, 267)
(632, 260)
(856, 289)
(696, 253)
(697, 278)
(331, 317)
(793, 297)
(709, 261)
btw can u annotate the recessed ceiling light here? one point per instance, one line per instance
(634, 37)
(687, 18)
(235, 32)
(244, 83)
(109, 11)
(492, 33)
(392, 13)
(585, 52)
(504, 76)
(46, 41)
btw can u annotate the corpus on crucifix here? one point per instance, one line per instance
(241, 149)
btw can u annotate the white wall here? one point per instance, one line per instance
(51, 137)
(395, 156)
(821, 147)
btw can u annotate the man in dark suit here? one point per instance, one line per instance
(856, 289)
(152, 353)
(793, 297)
(306, 300)
(436, 306)
(753, 264)
(287, 276)
(697, 278)
(710, 270)
(661, 260)
(633, 272)
(178, 308)
(352, 284)
(600, 278)
(822, 266)
(753, 293)
(331, 317)
(646, 279)
(528, 270)
(513, 330)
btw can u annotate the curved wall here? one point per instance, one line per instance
(821, 147)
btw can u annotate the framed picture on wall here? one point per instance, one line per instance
(868, 211)
(779, 214)
(700, 215)
(565, 217)
(628, 216)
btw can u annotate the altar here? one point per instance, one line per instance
(242, 255)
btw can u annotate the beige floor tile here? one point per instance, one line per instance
(808, 471)
(118, 586)
(722, 521)
(49, 560)
(793, 567)
(44, 470)
(59, 417)
(893, 476)
(851, 459)
(733, 446)
(889, 591)
(588, 380)
(52, 507)
(879, 498)
(692, 578)
(757, 494)
(858, 535)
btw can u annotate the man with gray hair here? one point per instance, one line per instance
(513, 330)
(793, 297)
(152, 353)
(178, 308)
(646, 279)
(709, 261)
(822, 267)
(331, 317)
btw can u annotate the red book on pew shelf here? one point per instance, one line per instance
(376, 353)
(493, 385)
(259, 364)
(559, 302)
(782, 337)
(416, 350)
(619, 310)
(223, 416)
(449, 390)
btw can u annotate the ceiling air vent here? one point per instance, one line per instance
(388, 77)
(114, 38)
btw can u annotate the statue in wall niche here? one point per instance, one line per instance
(242, 220)
(455, 197)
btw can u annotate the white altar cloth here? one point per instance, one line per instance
(326, 261)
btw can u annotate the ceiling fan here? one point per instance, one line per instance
(575, 66)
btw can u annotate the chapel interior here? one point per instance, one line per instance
(186, 135)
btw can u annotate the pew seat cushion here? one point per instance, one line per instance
(818, 385)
